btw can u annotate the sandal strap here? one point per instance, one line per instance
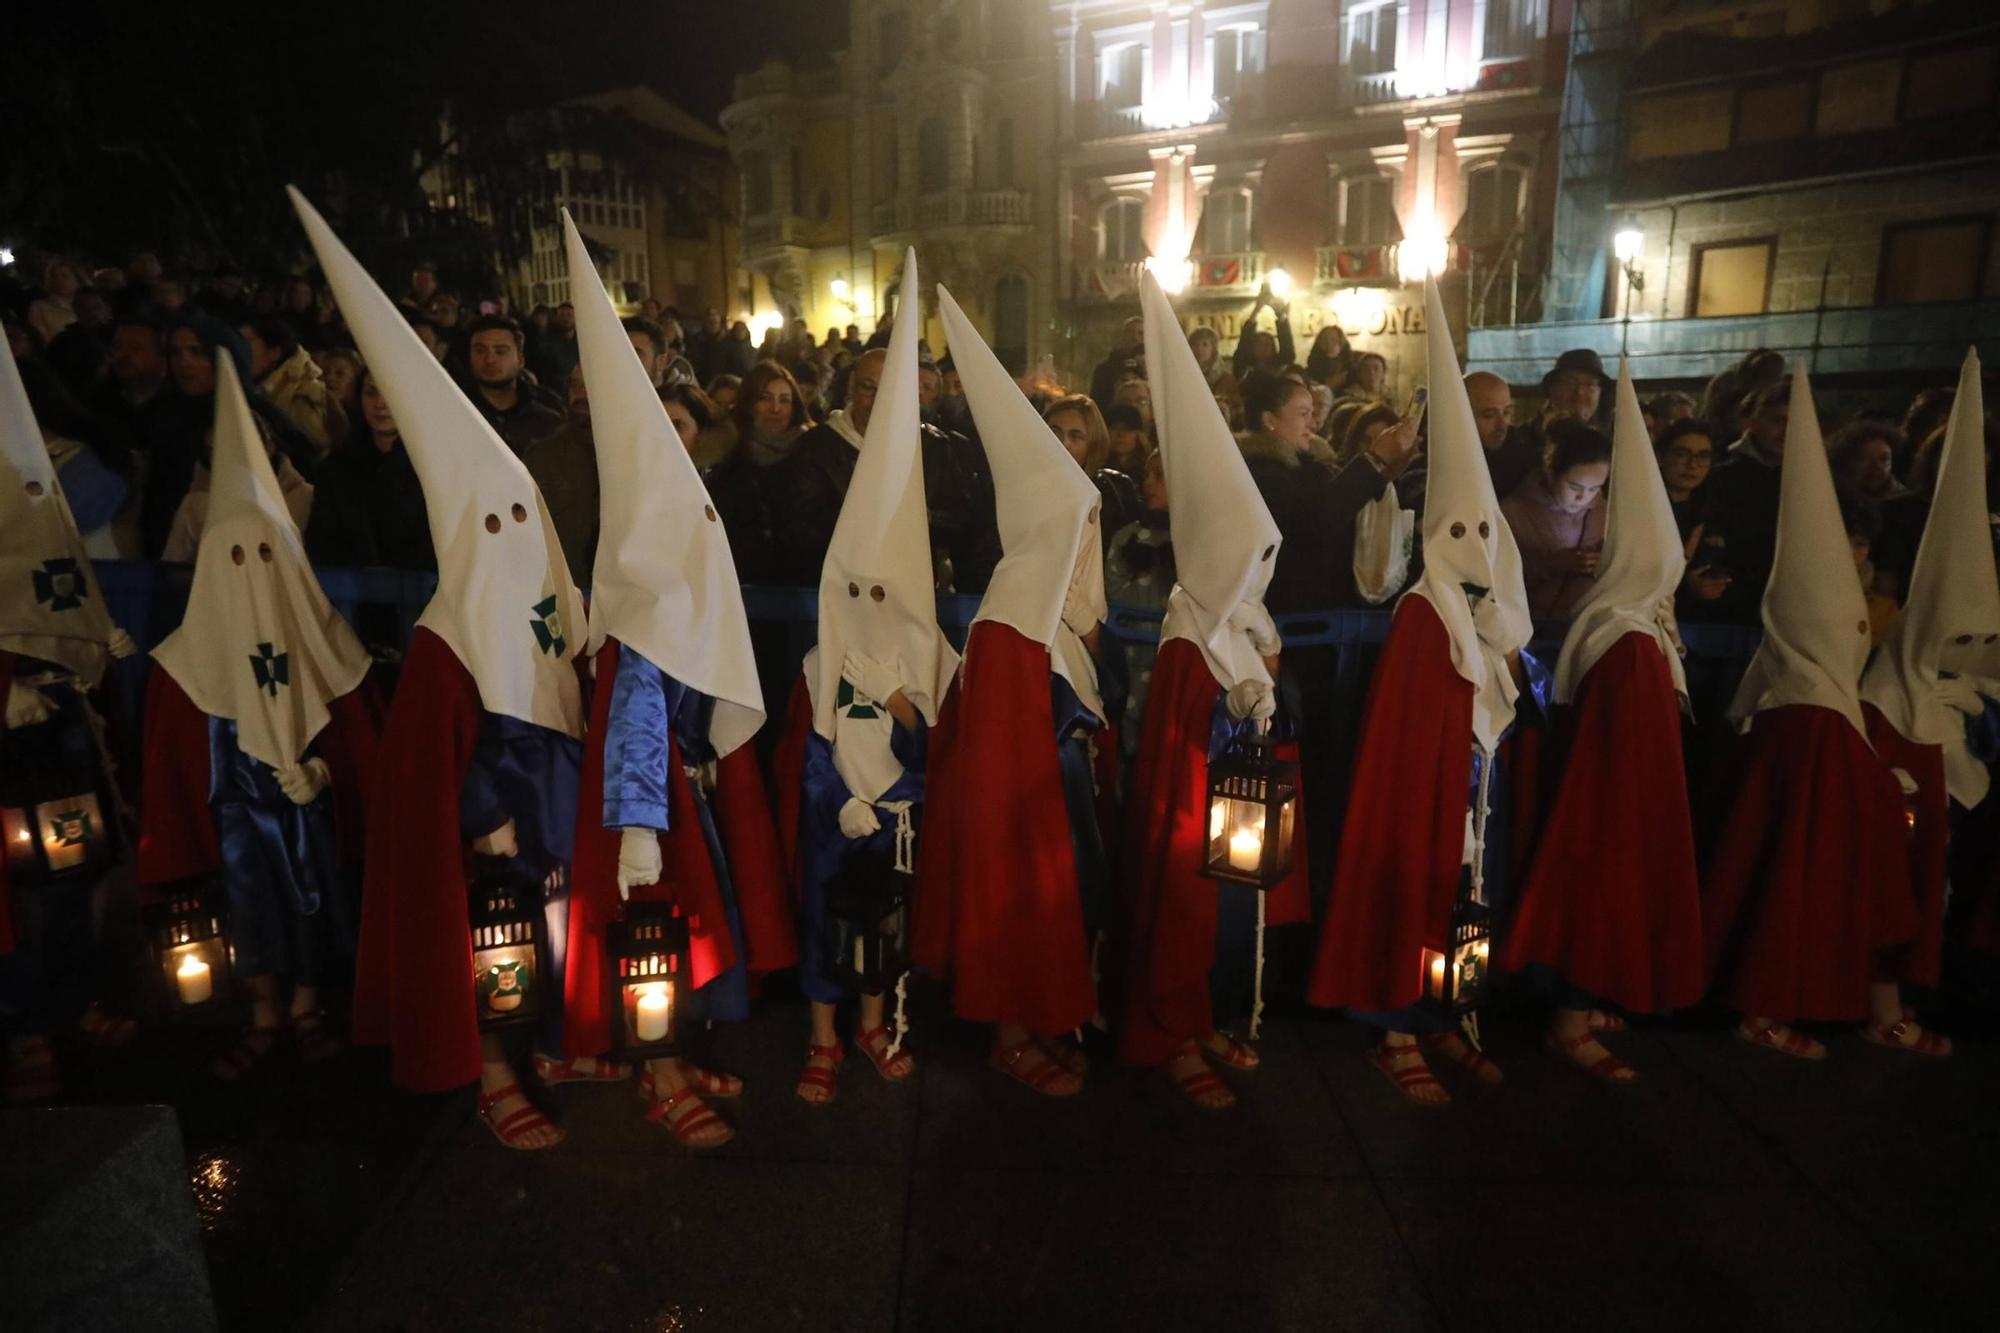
(1200, 1082)
(488, 1100)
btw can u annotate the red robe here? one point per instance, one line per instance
(688, 876)
(413, 973)
(788, 769)
(1930, 847)
(996, 907)
(1611, 899)
(1809, 874)
(1166, 919)
(1403, 843)
(177, 838)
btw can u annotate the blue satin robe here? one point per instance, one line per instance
(823, 847)
(647, 704)
(1093, 869)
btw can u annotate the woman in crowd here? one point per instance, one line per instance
(1557, 515)
(340, 370)
(1369, 377)
(1128, 439)
(690, 411)
(748, 485)
(1686, 451)
(1208, 355)
(368, 506)
(1080, 429)
(191, 518)
(1330, 360)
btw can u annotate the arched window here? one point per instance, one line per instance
(933, 157)
(1368, 211)
(1120, 230)
(1229, 222)
(1494, 195)
(1010, 322)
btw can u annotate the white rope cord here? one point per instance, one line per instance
(899, 1026)
(1257, 985)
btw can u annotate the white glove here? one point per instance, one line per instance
(303, 783)
(869, 676)
(857, 818)
(1252, 619)
(1252, 699)
(120, 643)
(638, 859)
(1959, 694)
(500, 842)
(27, 705)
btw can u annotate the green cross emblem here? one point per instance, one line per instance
(852, 703)
(271, 669)
(70, 827)
(59, 584)
(547, 625)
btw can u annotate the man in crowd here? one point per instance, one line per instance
(423, 286)
(1740, 535)
(1130, 347)
(1510, 453)
(495, 353)
(564, 465)
(555, 352)
(649, 340)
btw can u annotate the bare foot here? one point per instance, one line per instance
(816, 1081)
(1454, 1047)
(1231, 1052)
(511, 1116)
(1777, 1037)
(1402, 1062)
(1191, 1074)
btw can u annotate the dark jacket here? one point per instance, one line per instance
(530, 420)
(368, 510)
(1315, 504)
(1740, 534)
(564, 466)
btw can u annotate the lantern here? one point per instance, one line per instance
(1455, 980)
(51, 826)
(867, 922)
(505, 913)
(190, 945)
(648, 974)
(1253, 801)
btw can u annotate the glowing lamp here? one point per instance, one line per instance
(1252, 811)
(1626, 242)
(6, 256)
(188, 937)
(1424, 251)
(1173, 275)
(1454, 979)
(505, 914)
(647, 968)
(840, 290)
(1279, 280)
(867, 922)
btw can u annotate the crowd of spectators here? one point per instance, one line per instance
(120, 367)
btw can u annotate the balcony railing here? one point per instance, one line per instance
(773, 229)
(954, 208)
(1242, 270)
(1500, 74)
(1371, 89)
(1112, 279)
(1351, 265)
(1110, 122)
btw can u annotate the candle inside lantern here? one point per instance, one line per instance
(194, 981)
(1246, 849)
(655, 1003)
(1437, 974)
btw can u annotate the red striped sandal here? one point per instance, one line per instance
(819, 1075)
(1896, 1036)
(1201, 1086)
(1230, 1052)
(706, 1081)
(578, 1069)
(1605, 1066)
(1454, 1047)
(517, 1124)
(1404, 1066)
(689, 1119)
(1042, 1074)
(252, 1049)
(874, 1043)
(1603, 1020)
(1785, 1041)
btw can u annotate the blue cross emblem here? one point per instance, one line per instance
(271, 669)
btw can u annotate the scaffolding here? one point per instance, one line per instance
(1603, 42)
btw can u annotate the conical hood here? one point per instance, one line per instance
(1225, 541)
(664, 581)
(504, 601)
(1642, 562)
(260, 645)
(1472, 568)
(1815, 617)
(50, 605)
(877, 594)
(1047, 507)
(1951, 622)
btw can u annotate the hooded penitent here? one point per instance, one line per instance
(259, 645)
(1815, 618)
(877, 593)
(502, 584)
(1472, 568)
(50, 606)
(1225, 541)
(1642, 561)
(1948, 638)
(664, 582)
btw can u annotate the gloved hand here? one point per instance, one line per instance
(500, 842)
(120, 643)
(1958, 693)
(1252, 699)
(27, 705)
(857, 818)
(302, 783)
(1252, 619)
(873, 679)
(638, 859)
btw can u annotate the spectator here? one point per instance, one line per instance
(1728, 391)
(1262, 351)
(423, 286)
(496, 355)
(1557, 516)
(1369, 378)
(649, 340)
(704, 346)
(1136, 394)
(130, 400)
(1686, 451)
(853, 343)
(737, 353)
(691, 412)
(1664, 409)
(1738, 536)
(1077, 424)
(1207, 347)
(221, 296)
(1138, 574)
(340, 369)
(753, 486)
(142, 276)
(170, 298)
(427, 334)
(564, 466)
(556, 351)
(1131, 346)
(723, 390)
(184, 537)
(1863, 457)
(953, 412)
(1575, 388)
(79, 352)
(1511, 454)
(368, 508)
(1330, 360)
(1929, 411)
(300, 309)
(1863, 525)
(1130, 439)
(290, 379)
(55, 309)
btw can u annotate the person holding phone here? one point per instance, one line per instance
(1557, 515)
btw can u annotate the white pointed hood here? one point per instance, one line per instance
(1642, 562)
(1815, 617)
(664, 581)
(504, 600)
(1951, 622)
(260, 644)
(1053, 558)
(50, 605)
(1472, 568)
(1225, 541)
(877, 592)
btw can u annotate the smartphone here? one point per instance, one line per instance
(1419, 400)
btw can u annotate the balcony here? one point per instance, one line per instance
(1356, 265)
(1242, 271)
(772, 230)
(1111, 279)
(1101, 121)
(954, 208)
(1499, 75)
(1371, 89)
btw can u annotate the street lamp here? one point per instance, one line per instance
(1280, 282)
(1626, 244)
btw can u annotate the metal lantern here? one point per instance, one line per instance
(648, 973)
(51, 826)
(867, 922)
(505, 913)
(1455, 980)
(1253, 802)
(189, 937)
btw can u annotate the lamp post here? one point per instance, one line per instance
(1626, 244)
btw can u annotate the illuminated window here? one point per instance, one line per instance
(1123, 72)
(1512, 28)
(1940, 260)
(1371, 36)
(1235, 53)
(1228, 222)
(1121, 230)
(1368, 211)
(1732, 278)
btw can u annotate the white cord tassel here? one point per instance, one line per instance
(906, 836)
(899, 1025)
(1257, 985)
(1479, 814)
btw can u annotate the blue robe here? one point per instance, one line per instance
(1093, 869)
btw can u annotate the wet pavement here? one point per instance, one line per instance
(1731, 1189)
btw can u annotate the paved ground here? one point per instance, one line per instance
(1730, 1190)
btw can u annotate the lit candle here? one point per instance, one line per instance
(1246, 849)
(1437, 975)
(195, 983)
(654, 1003)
